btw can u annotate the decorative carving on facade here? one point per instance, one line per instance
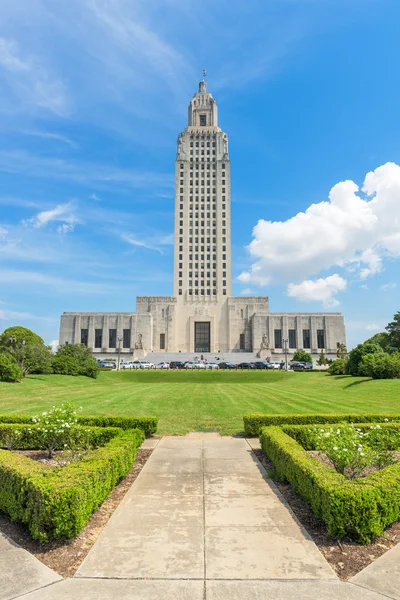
(139, 342)
(264, 342)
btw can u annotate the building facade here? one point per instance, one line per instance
(203, 316)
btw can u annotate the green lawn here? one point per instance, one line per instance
(186, 401)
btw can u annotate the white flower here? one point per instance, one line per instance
(338, 431)
(378, 426)
(335, 447)
(387, 420)
(344, 449)
(362, 454)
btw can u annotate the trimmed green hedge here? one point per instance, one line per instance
(32, 438)
(147, 424)
(254, 422)
(360, 509)
(56, 503)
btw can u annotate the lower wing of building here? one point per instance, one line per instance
(239, 324)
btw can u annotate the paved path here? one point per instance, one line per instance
(201, 521)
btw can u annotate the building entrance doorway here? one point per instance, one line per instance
(202, 337)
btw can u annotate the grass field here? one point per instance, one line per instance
(202, 400)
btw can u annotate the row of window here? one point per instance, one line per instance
(292, 339)
(112, 338)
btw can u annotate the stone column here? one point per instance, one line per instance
(91, 331)
(285, 330)
(105, 333)
(271, 339)
(313, 334)
(77, 330)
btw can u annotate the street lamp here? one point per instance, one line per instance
(285, 349)
(119, 348)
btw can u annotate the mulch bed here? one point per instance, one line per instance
(345, 557)
(66, 557)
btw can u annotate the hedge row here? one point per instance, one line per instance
(31, 437)
(360, 509)
(147, 424)
(254, 422)
(57, 503)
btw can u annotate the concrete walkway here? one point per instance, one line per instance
(201, 521)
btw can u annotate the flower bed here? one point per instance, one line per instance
(56, 503)
(254, 422)
(358, 508)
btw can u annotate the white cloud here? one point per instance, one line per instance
(373, 327)
(155, 243)
(54, 345)
(349, 231)
(321, 290)
(51, 136)
(3, 231)
(388, 286)
(30, 81)
(62, 213)
(246, 291)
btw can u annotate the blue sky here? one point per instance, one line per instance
(93, 96)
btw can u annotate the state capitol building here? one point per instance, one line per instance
(202, 316)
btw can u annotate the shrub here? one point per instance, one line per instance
(380, 366)
(147, 424)
(322, 360)
(302, 356)
(9, 370)
(57, 503)
(360, 509)
(338, 367)
(346, 447)
(254, 422)
(24, 436)
(75, 359)
(356, 355)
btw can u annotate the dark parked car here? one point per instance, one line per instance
(177, 364)
(226, 365)
(245, 365)
(262, 364)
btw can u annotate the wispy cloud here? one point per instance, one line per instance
(29, 81)
(155, 243)
(51, 136)
(64, 213)
(85, 173)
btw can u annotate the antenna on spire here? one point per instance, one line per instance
(204, 74)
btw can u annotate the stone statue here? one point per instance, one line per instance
(264, 342)
(139, 343)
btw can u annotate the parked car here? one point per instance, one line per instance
(246, 365)
(127, 365)
(261, 364)
(212, 366)
(137, 364)
(108, 364)
(177, 364)
(226, 365)
(275, 365)
(147, 365)
(189, 365)
(162, 365)
(199, 365)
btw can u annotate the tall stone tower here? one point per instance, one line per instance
(202, 258)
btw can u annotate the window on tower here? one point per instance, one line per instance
(203, 120)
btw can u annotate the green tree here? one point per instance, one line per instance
(19, 334)
(322, 359)
(356, 356)
(380, 366)
(342, 351)
(9, 370)
(27, 349)
(75, 359)
(393, 330)
(302, 356)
